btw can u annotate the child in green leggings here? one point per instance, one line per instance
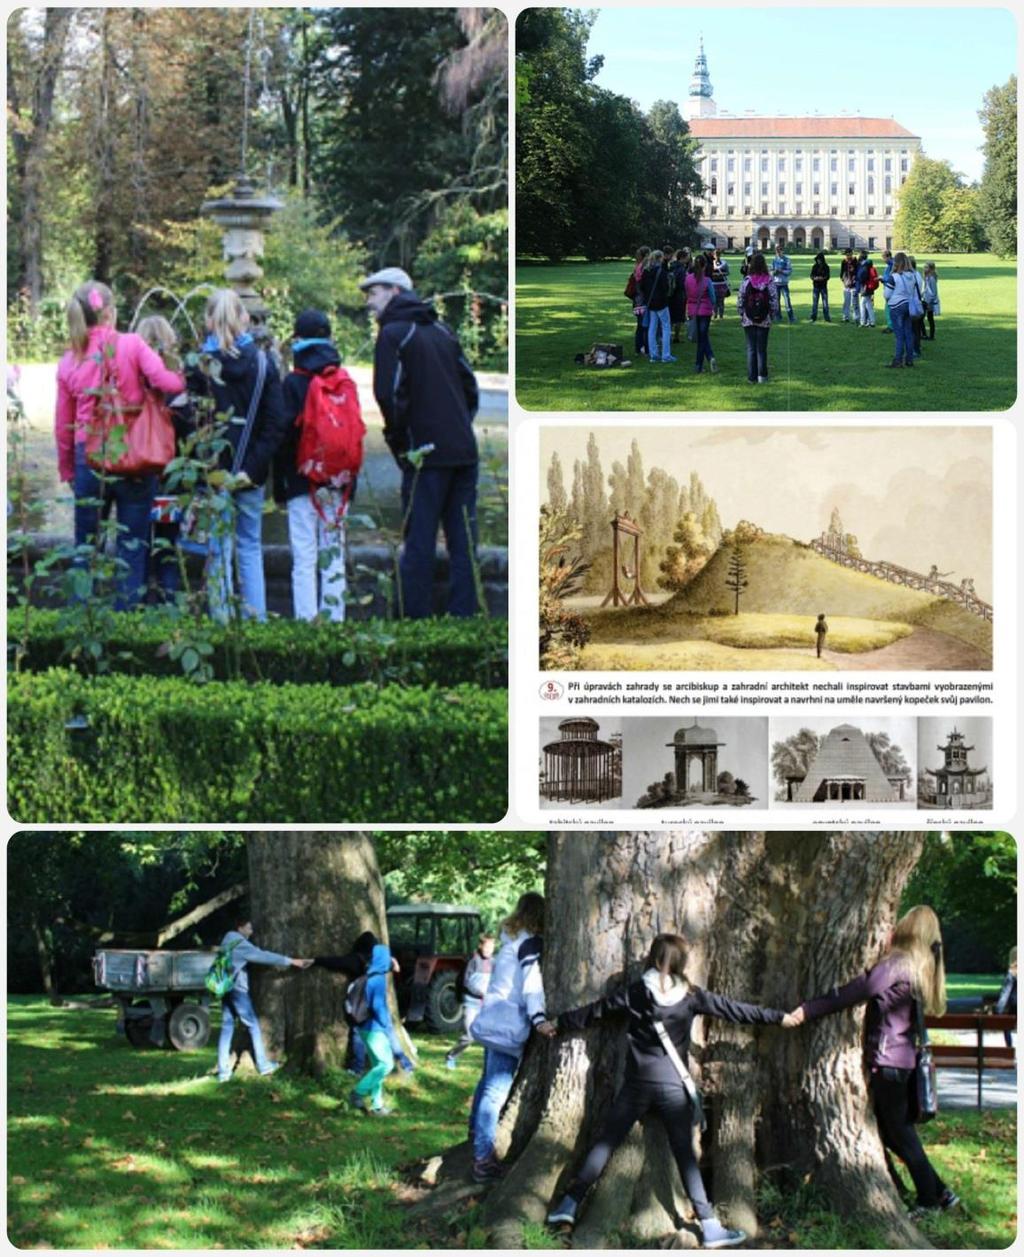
(376, 1035)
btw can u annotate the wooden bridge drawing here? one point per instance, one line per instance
(833, 546)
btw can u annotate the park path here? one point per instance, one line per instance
(924, 649)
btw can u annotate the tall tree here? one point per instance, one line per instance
(557, 499)
(311, 895)
(769, 917)
(736, 576)
(31, 117)
(930, 185)
(997, 200)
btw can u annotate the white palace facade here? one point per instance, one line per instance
(819, 183)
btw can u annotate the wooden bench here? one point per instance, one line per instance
(979, 1055)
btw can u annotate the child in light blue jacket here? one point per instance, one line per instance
(376, 1035)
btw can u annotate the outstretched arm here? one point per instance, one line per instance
(593, 1014)
(736, 1011)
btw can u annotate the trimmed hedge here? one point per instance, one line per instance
(168, 751)
(446, 651)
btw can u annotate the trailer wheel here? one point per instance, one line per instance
(188, 1027)
(444, 1012)
(137, 1030)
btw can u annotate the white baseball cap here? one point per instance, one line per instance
(389, 277)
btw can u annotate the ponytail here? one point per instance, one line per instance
(84, 311)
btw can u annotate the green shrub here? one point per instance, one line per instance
(158, 749)
(446, 651)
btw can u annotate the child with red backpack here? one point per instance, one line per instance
(316, 467)
(867, 280)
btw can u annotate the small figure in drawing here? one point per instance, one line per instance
(820, 631)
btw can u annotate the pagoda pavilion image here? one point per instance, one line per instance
(956, 784)
(845, 770)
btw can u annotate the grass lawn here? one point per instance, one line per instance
(972, 364)
(961, 985)
(112, 1147)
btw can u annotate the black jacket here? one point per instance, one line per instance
(288, 483)
(354, 963)
(820, 274)
(424, 386)
(646, 1059)
(231, 397)
(655, 285)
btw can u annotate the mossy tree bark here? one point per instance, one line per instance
(771, 918)
(311, 894)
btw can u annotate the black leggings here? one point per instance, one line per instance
(640, 337)
(929, 314)
(675, 1109)
(899, 1134)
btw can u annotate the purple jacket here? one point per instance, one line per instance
(889, 1030)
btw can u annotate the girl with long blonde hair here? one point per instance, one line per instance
(911, 970)
(92, 339)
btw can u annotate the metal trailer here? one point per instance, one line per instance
(161, 997)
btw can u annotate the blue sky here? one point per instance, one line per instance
(928, 68)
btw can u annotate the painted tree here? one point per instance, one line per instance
(311, 894)
(890, 756)
(658, 519)
(736, 577)
(557, 499)
(997, 198)
(770, 917)
(791, 757)
(685, 559)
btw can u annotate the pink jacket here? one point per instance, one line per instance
(135, 365)
(698, 303)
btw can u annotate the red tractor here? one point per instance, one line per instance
(432, 943)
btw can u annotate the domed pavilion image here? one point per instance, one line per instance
(581, 767)
(696, 777)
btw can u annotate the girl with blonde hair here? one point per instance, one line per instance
(513, 1007)
(658, 1011)
(247, 399)
(93, 338)
(911, 970)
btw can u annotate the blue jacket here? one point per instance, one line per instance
(782, 269)
(245, 953)
(377, 990)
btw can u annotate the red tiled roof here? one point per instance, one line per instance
(798, 128)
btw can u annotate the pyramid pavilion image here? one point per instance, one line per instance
(846, 770)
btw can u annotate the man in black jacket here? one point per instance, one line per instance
(428, 396)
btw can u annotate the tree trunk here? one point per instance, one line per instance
(311, 894)
(103, 262)
(771, 918)
(45, 958)
(32, 154)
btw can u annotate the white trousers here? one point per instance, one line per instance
(311, 538)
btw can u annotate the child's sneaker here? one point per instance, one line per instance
(450, 1062)
(948, 1200)
(382, 1110)
(487, 1170)
(357, 1102)
(714, 367)
(272, 1068)
(564, 1211)
(715, 1235)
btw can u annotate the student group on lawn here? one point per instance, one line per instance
(672, 290)
(504, 1004)
(126, 409)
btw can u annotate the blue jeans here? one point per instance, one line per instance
(784, 292)
(823, 294)
(903, 350)
(658, 319)
(246, 532)
(850, 298)
(757, 352)
(237, 1006)
(359, 1051)
(133, 498)
(703, 340)
(433, 497)
(489, 1099)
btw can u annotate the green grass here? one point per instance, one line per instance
(976, 1153)
(972, 365)
(111, 1147)
(960, 985)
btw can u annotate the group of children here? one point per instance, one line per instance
(671, 290)
(263, 432)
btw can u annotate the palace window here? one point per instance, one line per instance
(782, 189)
(782, 207)
(746, 164)
(888, 183)
(834, 163)
(852, 189)
(764, 164)
(798, 189)
(904, 164)
(871, 183)
(871, 211)
(714, 185)
(871, 163)
(730, 210)
(764, 207)
(798, 208)
(731, 164)
(714, 163)
(817, 164)
(764, 189)
(746, 189)
(835, 209)
(817, 189)
(732, 189)
(851, 164)
(853, 210)
(835, 189)
(782, 164)
(799, 165)
(888, 163)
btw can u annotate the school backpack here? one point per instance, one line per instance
(871, 280)
(219, 979)
(331, 432)
(357, 1008)
(757, 304)
(631, 288)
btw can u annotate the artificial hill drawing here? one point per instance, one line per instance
(845, 770)
(662, 583)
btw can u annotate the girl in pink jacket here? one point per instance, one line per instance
(700, 304)
(91, 328)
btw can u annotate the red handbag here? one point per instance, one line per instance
(125, 439)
